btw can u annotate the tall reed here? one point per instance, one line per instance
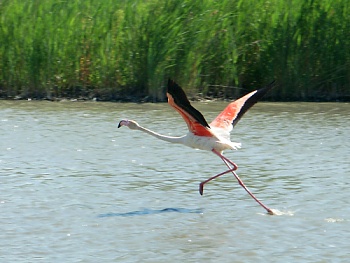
(116, 49)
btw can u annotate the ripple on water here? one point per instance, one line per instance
(71, 180)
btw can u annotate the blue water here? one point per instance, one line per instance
(74, 188)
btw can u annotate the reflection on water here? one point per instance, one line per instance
(146, 211)
(74, 188)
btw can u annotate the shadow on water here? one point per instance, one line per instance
(153, 211)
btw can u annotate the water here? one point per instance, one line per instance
(74, 188)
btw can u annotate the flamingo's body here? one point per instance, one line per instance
(214, 137)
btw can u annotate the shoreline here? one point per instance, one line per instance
(149, 99)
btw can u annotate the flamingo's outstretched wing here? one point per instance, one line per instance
(229, 117)
(178, 100)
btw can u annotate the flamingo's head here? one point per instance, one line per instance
(133, 125)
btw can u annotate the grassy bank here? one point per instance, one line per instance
(117, 49)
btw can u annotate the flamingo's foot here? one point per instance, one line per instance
(270, 212)
(201, 188)
(279, 213)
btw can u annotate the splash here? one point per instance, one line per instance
(277, 212)
(334, 220)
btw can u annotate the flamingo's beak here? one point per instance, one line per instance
(119, 125)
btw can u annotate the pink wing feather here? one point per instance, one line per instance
(229, 117)
(226, 120)
(195, 121)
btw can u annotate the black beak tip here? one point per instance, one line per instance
(119, 125)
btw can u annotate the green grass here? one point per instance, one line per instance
(113, 49)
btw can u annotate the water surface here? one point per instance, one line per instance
(74, 188)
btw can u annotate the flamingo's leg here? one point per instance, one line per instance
(201, 185)
(232, 167)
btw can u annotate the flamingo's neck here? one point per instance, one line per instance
(162, 137)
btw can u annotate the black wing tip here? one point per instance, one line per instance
(176, 91)
(269, 86)
(181, 99)
(258, 94)
(170, 82)
(262, 91)
(171, 85)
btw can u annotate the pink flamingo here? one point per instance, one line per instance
(214, 137)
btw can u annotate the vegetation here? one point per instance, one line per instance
(116, 49)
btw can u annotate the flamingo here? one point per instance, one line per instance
(214, 137)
